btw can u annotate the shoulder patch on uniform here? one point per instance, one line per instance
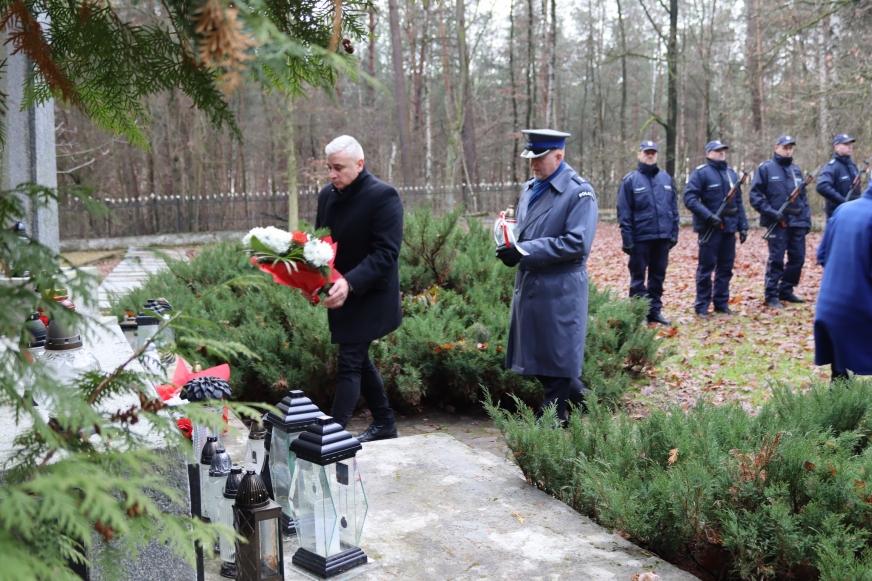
(578, 179)
(700, 166)
(832, 161)
(626, 176)
(586, 194)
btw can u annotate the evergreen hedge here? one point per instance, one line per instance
(456, 299)
(785, 494)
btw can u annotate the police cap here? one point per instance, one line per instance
(715, 145)
(843, 138)
(541, 141)
(646, 145)
(785, 140)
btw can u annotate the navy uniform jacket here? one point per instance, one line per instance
(647, 208)
(707, 189)
(771, 186)
(834, 181)
(843, 314)
(549, 305)
(366, 222)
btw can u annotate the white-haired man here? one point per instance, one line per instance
(365, 217)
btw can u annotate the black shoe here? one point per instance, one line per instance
(379, 431)
(658, 318)
(774, 303)
(792, 298)
(726, 311)
(703, 315)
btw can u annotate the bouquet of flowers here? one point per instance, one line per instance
(295, 259)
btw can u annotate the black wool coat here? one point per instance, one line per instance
(366, 221)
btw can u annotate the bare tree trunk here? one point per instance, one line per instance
(400, 92)
(552, 55)
(531, 95)
(622, 30)
(291, 179)
(672, 90)
(513, 88)
(466, 103)
(371, 56)
(754, 65)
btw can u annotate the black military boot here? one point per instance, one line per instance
(379, 430)
(657, 318)
(774, 303)
(791, 298)
(725, 311)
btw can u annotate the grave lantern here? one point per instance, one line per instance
(329, 501)
(227, 545)
(200, 389)
(219, 470)
(296, 412)
(257, 520)
(254, 449)
(66, 358)
(206, 456)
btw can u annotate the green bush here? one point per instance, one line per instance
(456, 300)
(783, 494)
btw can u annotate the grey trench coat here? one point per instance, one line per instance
(549, 305)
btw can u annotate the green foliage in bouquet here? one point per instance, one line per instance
(73, 484)
(456, 299)
(783, 494)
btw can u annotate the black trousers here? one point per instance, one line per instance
(717, 255)
(561, 390)
(781, 278)
(358, 376)
(650, 257)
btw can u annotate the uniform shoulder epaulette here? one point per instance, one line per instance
(832, 161)
(700, 166)
(626, 176)
(578, 179)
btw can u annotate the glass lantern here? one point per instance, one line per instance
(227, 545)
(254, 449)
(209, 451)
(329, 501)
(146, 329)
(36, 335)
(257, 519)
(219, 470)
(65, 357)
(296, 412)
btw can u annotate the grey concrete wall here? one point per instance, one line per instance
(151, 240)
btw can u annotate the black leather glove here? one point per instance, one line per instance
(672, 243)
(731, 210)
(713, 221)
(743, 236)
(628, 248)
(779, 217)
(793, 210)
(509, 255)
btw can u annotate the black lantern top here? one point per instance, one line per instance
(145, 320)
(201, 388)
(297, 412)
(209, 450)
(221, 463)
(60, 338)
(252, 492)
(231, 487)
(36, 329)
(257, 431)
(325, 442)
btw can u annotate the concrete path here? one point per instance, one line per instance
(136, 266)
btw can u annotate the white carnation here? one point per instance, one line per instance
(317, 253)
(277, 240)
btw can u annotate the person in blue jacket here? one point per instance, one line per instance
(648, 217)
(843, 314)
(706, 190)
(773, 182)
(835, 180)
(557, 216)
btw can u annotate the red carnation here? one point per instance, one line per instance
(300, 238)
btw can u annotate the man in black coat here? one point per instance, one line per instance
(365, 217)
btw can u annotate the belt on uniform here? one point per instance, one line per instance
(559, 268)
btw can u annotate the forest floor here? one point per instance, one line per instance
(726, 358)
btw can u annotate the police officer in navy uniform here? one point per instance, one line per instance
(835, 180)
(773, 182)
(648, 216)
(706, 190)
(557, 217)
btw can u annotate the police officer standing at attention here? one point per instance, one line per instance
(773, 182)
(706, 190)
(835, 180)
(557, 216)
(648, 216)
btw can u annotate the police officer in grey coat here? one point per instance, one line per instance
(557, 216)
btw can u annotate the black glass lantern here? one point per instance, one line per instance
(255, 447)
(296, 412)
(257, 519)
(329, 501)
(227, 545)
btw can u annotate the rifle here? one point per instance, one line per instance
(790, 199)
(856, 183)
(730, 195)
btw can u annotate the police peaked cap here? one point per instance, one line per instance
(648, 146)
(785, 140)
(843, 138)
(541, 141)
(715, 145)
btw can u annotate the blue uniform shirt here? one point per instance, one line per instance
(834, 182)
(771, 186)
(707, 189)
